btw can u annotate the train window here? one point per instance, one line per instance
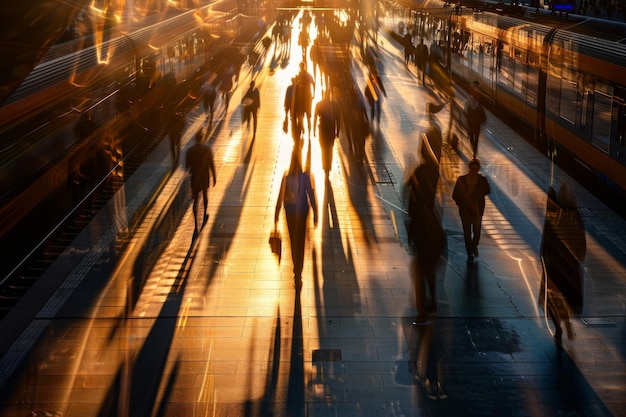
(569, 91)
(602, 102)
(532, 78)
(519, 77)
(505, 65)
(583, 100)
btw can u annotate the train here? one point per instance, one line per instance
(94, 97)
(560, 78)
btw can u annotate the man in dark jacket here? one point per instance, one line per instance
(199, 162)
(469, 195)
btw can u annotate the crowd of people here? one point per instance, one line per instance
(350, 111)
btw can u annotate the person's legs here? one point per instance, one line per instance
(473, 138)
(476, 229)
(467, 235)
(195, 213)
(295, 225)
(420, 288)
(205, 201)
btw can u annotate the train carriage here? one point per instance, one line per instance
(121, 83)
(562, 80)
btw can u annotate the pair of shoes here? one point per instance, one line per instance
(470, 259)
(441, 394)
(430, 391)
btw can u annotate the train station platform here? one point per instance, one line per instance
(139, 319)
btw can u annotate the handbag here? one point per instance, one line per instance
(276, 244)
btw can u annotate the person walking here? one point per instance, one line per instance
(209, 97)
(328, 113)
(475, 115)
(199, 163)
(251, 103)
(425, 233)
(296, 195)
(176, 128)
(469, 195)
(421, 59)
(305, 91)
(563, 250)
(290, 112)
(374, 92)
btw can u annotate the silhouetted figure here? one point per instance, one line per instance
(305, 90)
(290, 112)
(209, 97)
(328, 113)
(296, 195)
(251, 104)
(425, 233)
(469, 195)
(409, 48)
(176, 127)
(421, 59)
(475, 115)
(199, 162)
(563, 250)
(226, 85)
(374, 92)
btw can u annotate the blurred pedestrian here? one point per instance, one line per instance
(563, 250)
(208, 100)
(251, 103)
(425, 233)
(475, 115)
(176, 127)
(199, 162)
(305, 91)
(328, 113)
(409, 48)
(296, 195)
(469, 195)
(421, 59)
(290, 111)
(374, 92)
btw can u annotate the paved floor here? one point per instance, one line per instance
(174, 327)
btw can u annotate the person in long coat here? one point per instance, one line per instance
(563, 250)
